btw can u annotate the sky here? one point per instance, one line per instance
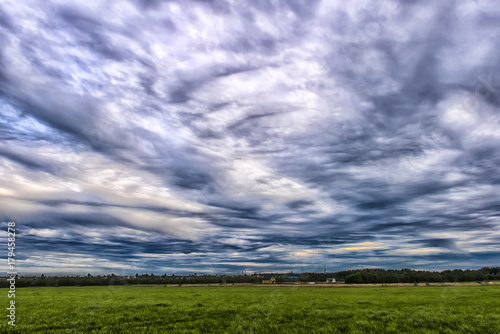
(226, 136)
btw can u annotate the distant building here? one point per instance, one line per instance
(269, 279)
(330, 280)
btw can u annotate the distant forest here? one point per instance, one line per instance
(417, 276)
(358, 276)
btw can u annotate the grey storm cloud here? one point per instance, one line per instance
(219, 136)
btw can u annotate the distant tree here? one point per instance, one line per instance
(355, 278)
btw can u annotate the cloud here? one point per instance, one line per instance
(217, 136)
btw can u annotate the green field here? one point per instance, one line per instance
(256, 309)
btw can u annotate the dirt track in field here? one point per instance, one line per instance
(331, 285)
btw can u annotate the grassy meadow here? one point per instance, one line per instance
(256, 309)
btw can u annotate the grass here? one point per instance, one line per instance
(256, 309)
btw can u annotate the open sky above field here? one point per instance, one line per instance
(221, 136)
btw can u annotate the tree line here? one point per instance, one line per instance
(417, 276)
(356, 276)
(112, 279)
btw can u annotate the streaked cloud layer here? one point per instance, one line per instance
(222, 136)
